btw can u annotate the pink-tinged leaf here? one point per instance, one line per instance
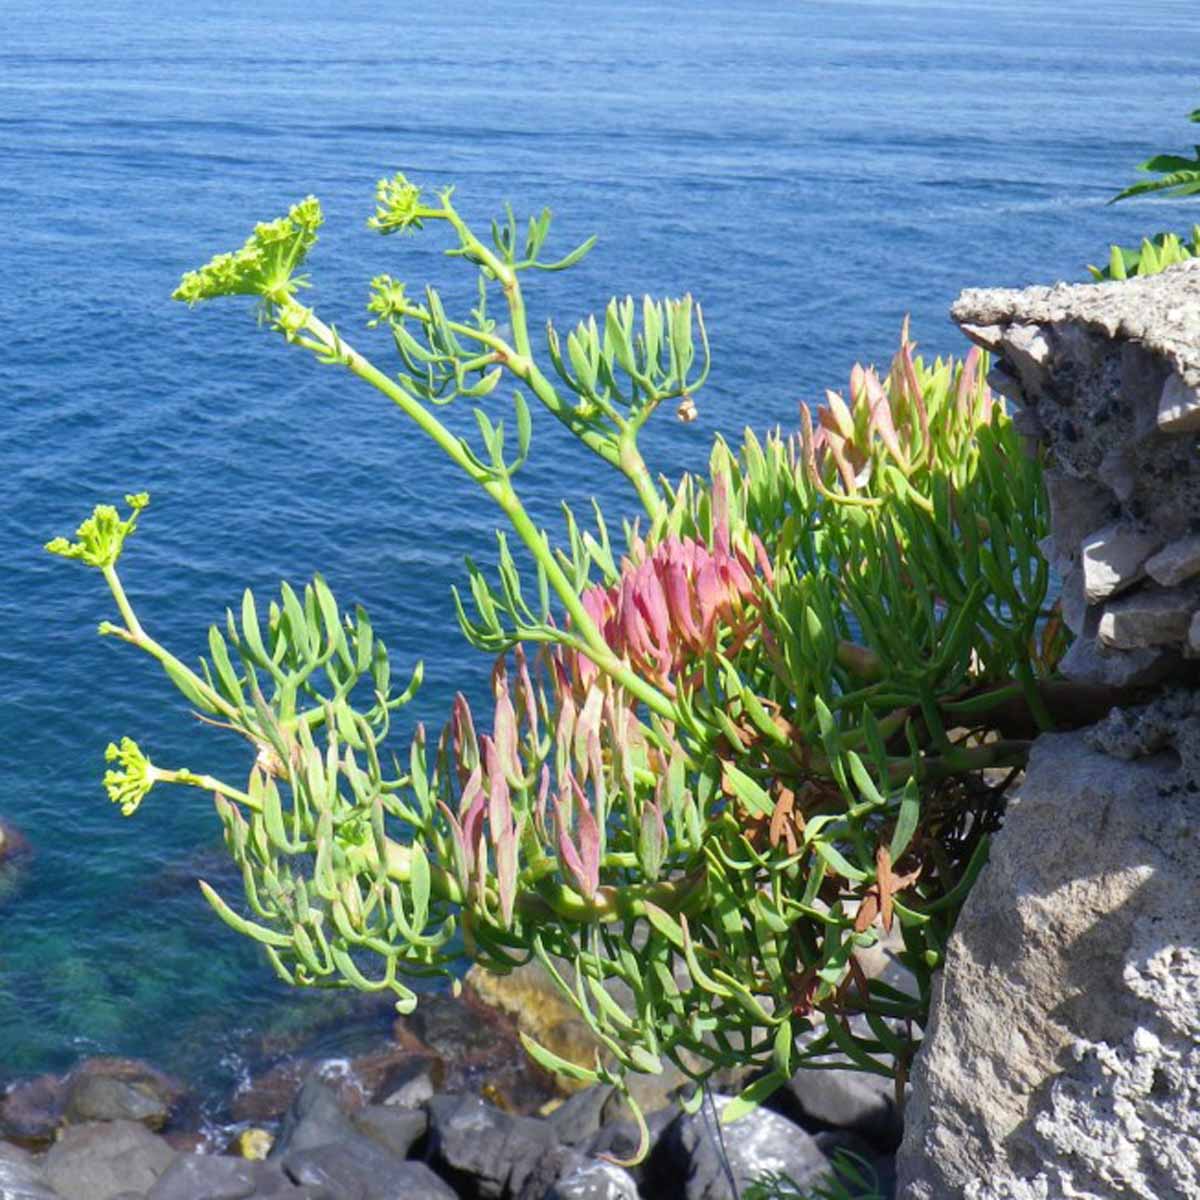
(918, 400)
(479, 887)
(987, 404)
(589, 850)
(763, 559)
(472, 819)
(839, 414)
(569, 857)
(599, 783)
(559, 670)
(505, 731)
(587, 670)
(506, 871)
(635, 638)
(739, 578)
(968, 385)
(720, 512)
(587, 724)
(881, 420)
(653, 603)
(458, 849)
(564, 730)
(836, 444)
(466, 746)
(679, 602)
(596, 604)
(540, 827)
(526, 691)
(711, 596)
(499, 806)
(858, 387)
(472, 790)
(809, 441)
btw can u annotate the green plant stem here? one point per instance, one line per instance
(208, 783)
(137, 636)
(625, 455)
(503, 493)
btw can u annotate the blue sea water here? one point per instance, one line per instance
(810, 171)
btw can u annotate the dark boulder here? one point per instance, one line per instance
(396, 1129)
(219, 1177)
(102, 1159)
(845, 1099)
(694, 1159)
(316, 1118)
(493, 1154)
(363, 1170)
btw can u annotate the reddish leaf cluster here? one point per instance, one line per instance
(663, 611)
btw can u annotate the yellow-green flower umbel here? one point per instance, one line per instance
(102, 535)
(137, 775)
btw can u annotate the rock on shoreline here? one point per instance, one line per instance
(406, 1120)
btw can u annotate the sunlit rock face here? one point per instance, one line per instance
(1107, 378)
(1062, 1057)
(1063, 1054)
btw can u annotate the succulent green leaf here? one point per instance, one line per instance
(555, 1065)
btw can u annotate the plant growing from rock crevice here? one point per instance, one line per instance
(718, 764)
(1177, 177)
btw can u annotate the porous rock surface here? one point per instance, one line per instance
(1063, 1054)
(1107, 376)
(1062, 1057)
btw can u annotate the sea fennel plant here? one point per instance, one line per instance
(717, 764)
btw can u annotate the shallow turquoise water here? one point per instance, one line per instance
(810, 171)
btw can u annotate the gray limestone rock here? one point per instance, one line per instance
(1111, 372)
(1088, 661)
(1179, 407)
(1149, 617)
(1077, 507)
(1062, 1056)
(1175, 563)
(1114, 559)
(1161, 313)
(1028, 349)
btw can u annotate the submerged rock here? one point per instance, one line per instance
(120, 1089)
(30, 1110)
